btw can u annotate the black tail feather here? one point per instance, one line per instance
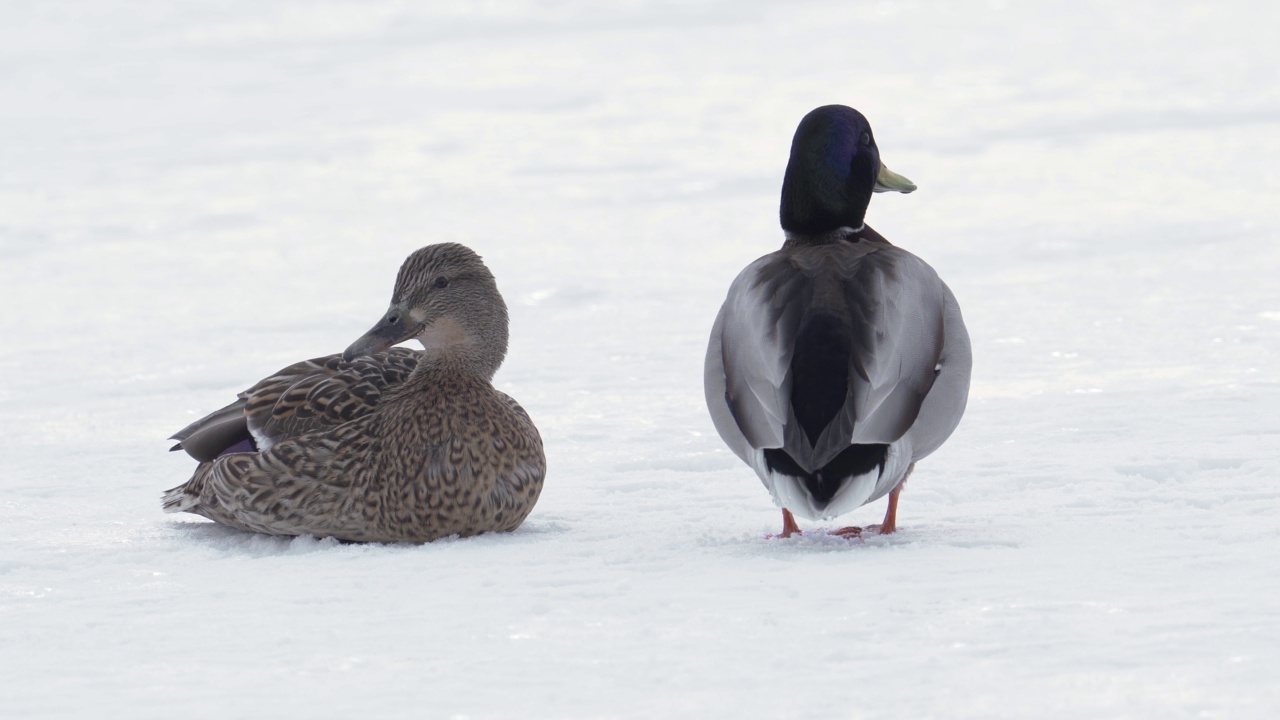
(825, 482)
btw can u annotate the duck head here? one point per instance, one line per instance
(446, 298)
(834, 167)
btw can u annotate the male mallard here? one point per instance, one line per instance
(378, 444)
(840, 360)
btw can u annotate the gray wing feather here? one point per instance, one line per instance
(945, 404)
(900, 299)
(756, 335)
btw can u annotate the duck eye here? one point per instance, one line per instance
(442, 281)
(866, 138)
(393, 319)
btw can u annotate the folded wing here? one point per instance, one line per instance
(307, 396)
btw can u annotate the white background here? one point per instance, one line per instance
(193, 195)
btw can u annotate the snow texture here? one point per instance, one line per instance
(193, 195)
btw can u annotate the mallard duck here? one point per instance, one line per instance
(839, 361)
(380, 444)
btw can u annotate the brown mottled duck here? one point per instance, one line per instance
(380, 444)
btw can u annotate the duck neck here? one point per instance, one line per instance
(433, 364)
(449, 347)
(830, 237)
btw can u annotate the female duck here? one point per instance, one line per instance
(840, 360)
(378, 444)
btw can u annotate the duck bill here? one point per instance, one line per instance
(394, 327)
(889, 180)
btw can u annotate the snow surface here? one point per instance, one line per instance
(195, 194)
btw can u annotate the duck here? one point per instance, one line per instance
(839, 361)
(380, 443)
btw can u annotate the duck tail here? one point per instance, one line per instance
(179, 499)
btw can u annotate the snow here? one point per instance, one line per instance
(193, 195)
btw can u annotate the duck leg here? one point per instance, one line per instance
(890, 523)
(789, 526)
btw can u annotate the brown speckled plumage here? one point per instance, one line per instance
(398, 445)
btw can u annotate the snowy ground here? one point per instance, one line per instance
(195, 194)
